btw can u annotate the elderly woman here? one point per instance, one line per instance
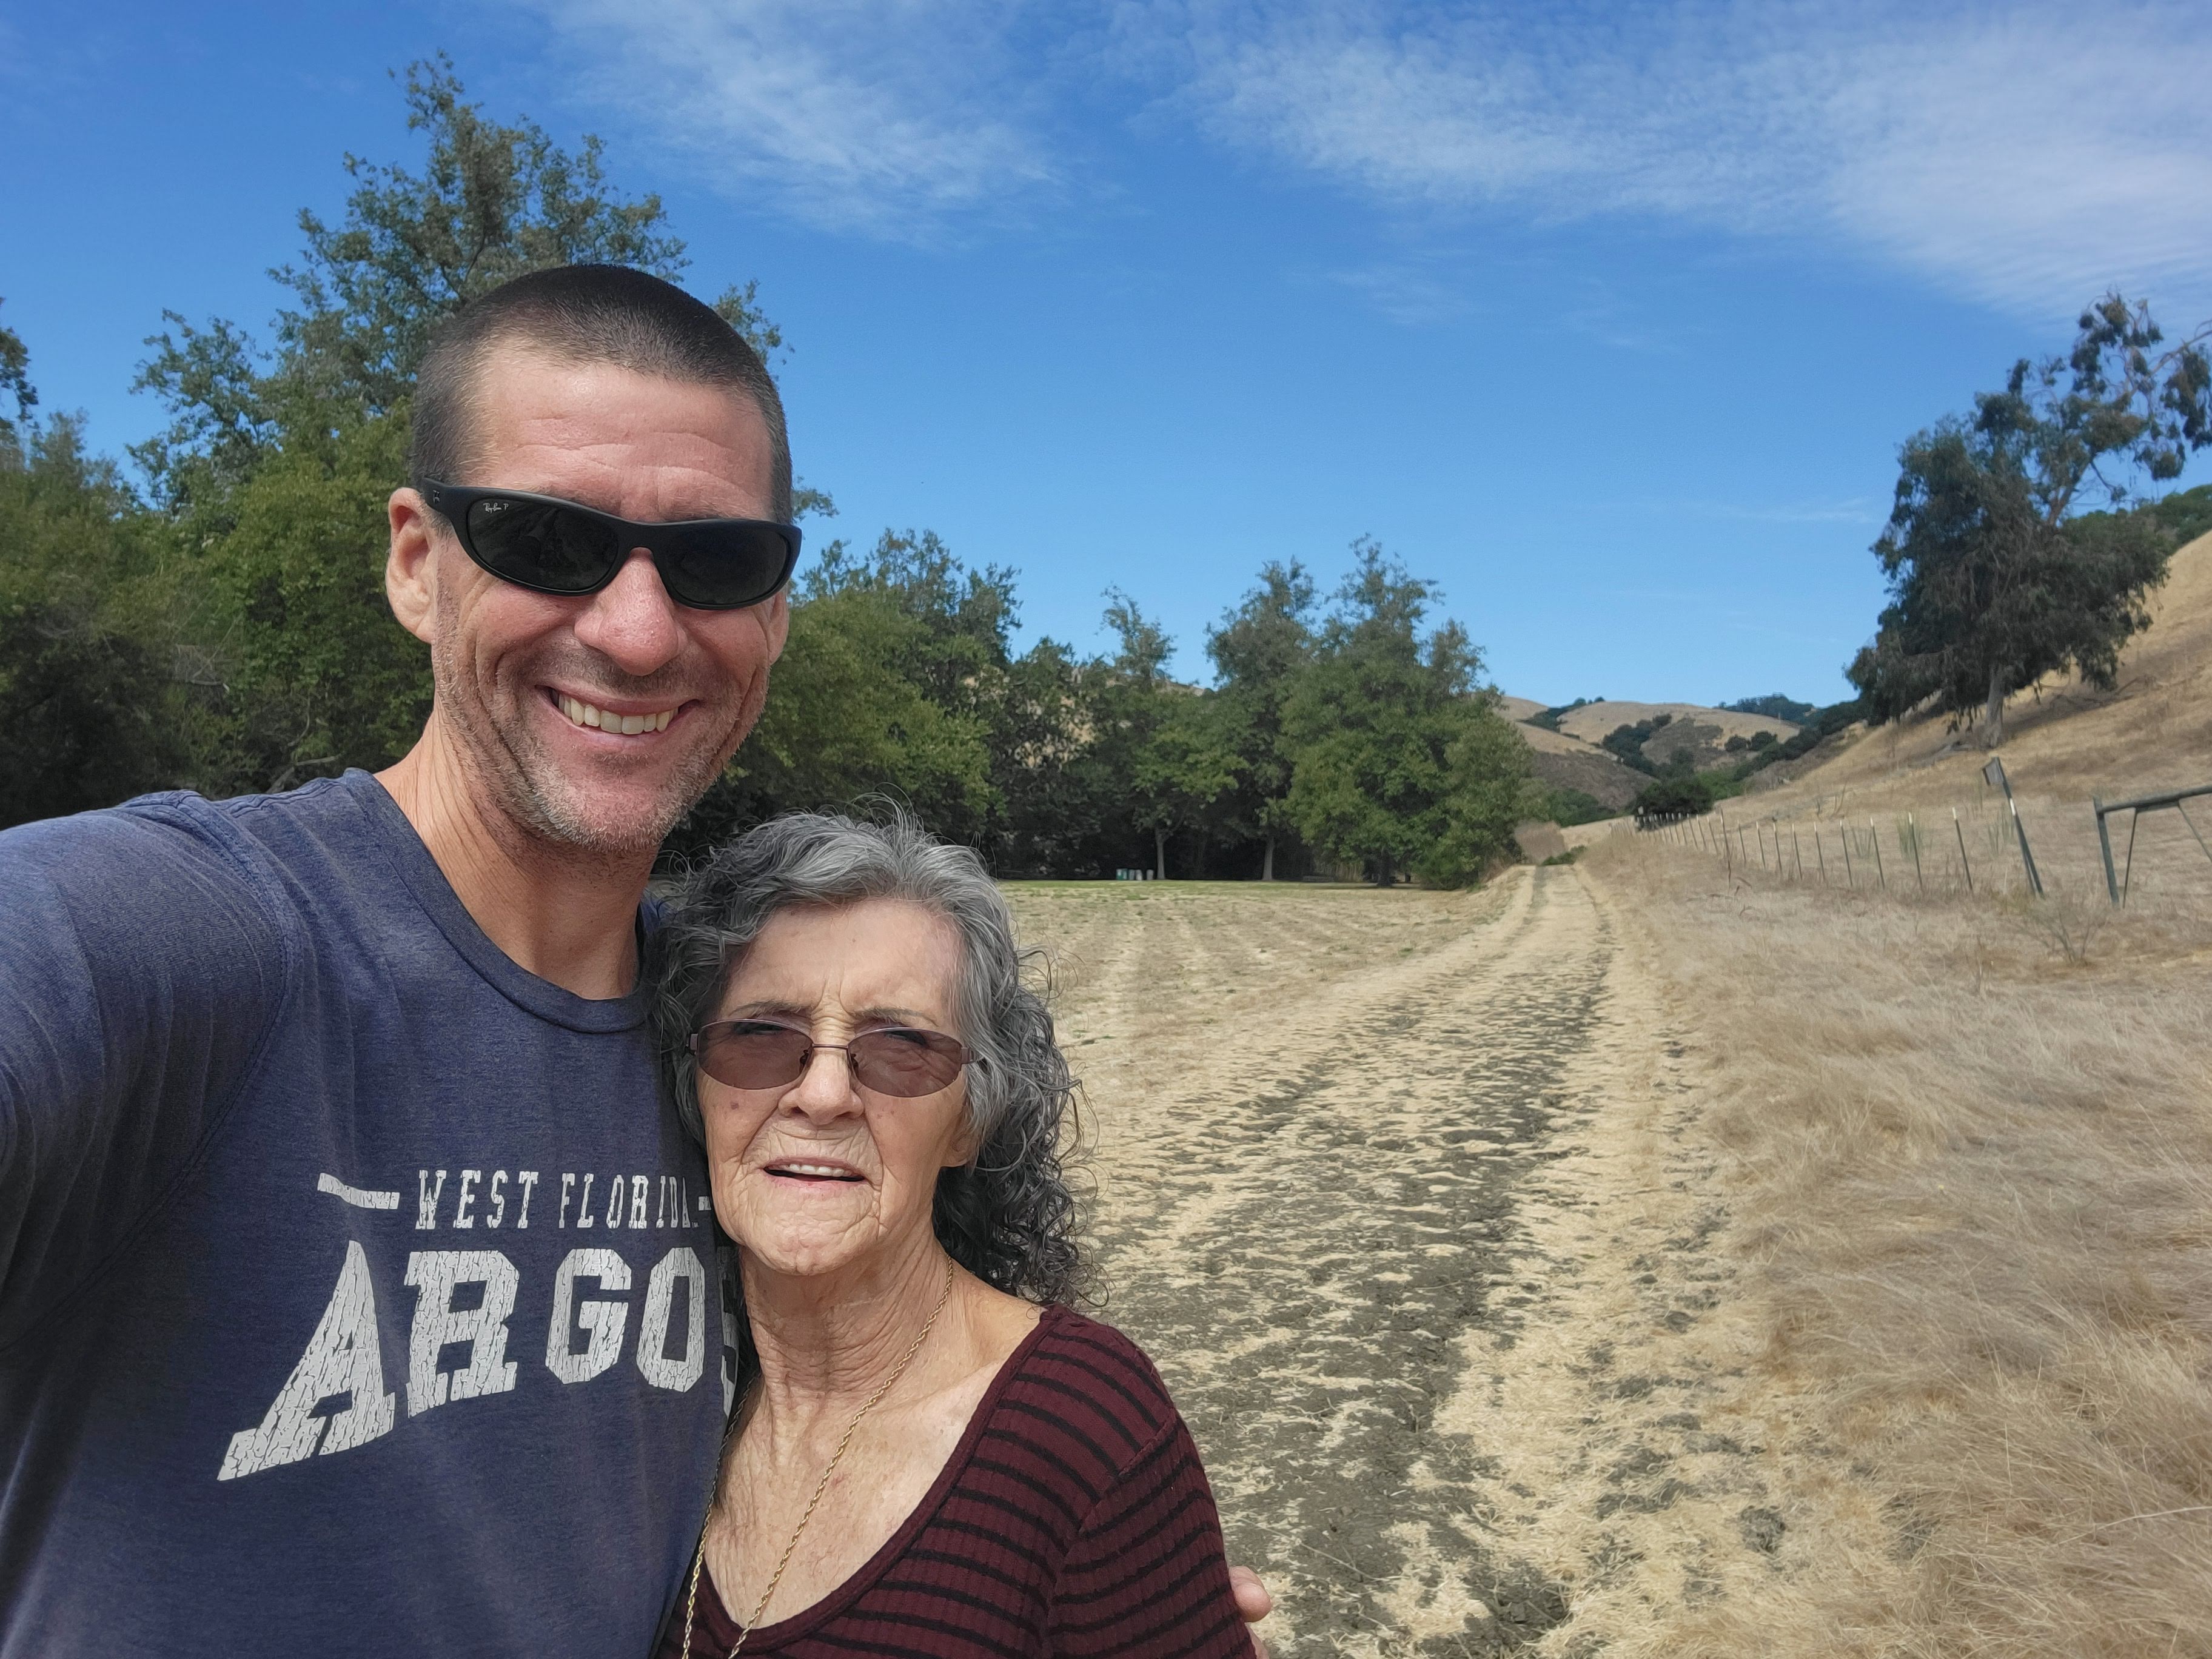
(930, 1454)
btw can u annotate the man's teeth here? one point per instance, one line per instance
(808, 1170)
(582, 714)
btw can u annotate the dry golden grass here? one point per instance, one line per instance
(2064, 741)
(1970, 1180)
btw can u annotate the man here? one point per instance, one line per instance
(356, 1285)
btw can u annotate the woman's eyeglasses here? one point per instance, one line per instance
(553, 546)
(758, 1054)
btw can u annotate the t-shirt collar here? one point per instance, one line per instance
(411, 861)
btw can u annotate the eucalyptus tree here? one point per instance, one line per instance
(1997, 574)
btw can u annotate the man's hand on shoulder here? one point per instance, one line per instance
(1253, 1601)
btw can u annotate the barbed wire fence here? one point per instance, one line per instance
(1982, 848)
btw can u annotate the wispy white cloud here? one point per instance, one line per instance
(881, 118)
(2024, 157)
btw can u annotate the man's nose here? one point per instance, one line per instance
(631, 620)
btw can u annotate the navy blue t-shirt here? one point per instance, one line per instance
(357, 1289)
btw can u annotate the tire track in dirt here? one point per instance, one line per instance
(1303, 1211)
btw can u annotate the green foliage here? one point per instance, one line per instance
(1550, 718)
(1258, 650)
(1818, 726)
(87, 642)
(1393, 760)
(1490, 788)
(1562, 806)
(319, 677)
(1774, 706)
(2185, 514)
(1987, 593)
(15, 380)
(1677, 793)
(844, 721)
(1182, 776)
(1625, 743)
(1995, 579)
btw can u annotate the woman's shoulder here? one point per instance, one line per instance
(1082, 1380)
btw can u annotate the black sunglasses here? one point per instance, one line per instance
(554, 546)
(759, 1053)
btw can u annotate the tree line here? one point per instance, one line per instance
(213, 615)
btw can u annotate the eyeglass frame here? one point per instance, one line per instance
(852, 1069)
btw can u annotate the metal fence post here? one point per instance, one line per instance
(1968, 864)
(2104, 845)
(2026, 858)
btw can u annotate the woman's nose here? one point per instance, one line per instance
(825, 1087)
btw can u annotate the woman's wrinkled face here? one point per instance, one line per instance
(817, 1175)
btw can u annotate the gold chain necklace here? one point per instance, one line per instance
(699, 1560)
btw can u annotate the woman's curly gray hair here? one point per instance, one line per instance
(1007, 1216)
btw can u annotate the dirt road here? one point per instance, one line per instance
(1385, 1183)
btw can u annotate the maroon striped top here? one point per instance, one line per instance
(1074, 1517)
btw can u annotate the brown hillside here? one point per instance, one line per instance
(1566, 762)
(1519, 708)
(1593, 720)
(2064, 743)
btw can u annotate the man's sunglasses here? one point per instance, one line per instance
(759, 1053)
(555, 546)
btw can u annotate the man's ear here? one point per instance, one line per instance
(407, 581)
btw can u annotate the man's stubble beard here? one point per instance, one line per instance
(526, 788)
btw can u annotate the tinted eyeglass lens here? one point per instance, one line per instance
(542, 544)
(720, 566)
(749, 1055)
(905, 1064)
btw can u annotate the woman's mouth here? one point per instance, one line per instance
(794, 1170)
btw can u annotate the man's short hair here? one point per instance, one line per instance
(585, 314)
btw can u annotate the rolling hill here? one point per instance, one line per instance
(1573, 757)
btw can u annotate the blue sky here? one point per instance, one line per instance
(1608, 318)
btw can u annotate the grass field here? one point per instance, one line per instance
(1619, 1259)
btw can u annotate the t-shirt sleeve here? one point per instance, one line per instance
(140, 965)
(1147, 1574)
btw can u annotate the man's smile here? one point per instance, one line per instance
(592, 717)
